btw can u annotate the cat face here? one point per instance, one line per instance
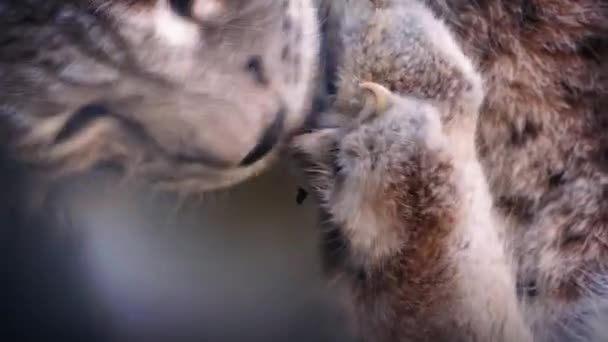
(184, 94)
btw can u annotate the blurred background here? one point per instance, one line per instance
(126, 264)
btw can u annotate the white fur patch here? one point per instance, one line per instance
(368, 232)
(207, 9)
(166, 25)
(172, 28)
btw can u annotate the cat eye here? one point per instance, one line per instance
(204, 11)
(80, 119)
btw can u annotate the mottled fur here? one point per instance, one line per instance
(180, 95)
(539, 149)
(174, 92)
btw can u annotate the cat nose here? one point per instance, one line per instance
(267, 141)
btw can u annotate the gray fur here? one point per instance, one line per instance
(561, 295)
(185, 101)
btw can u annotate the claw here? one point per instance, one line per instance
(379, 99)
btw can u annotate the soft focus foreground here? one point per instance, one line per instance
(241, 266)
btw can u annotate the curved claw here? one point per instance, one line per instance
(381, 96)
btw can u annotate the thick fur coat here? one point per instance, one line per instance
(540, 141)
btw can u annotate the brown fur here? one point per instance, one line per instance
(539, 138)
